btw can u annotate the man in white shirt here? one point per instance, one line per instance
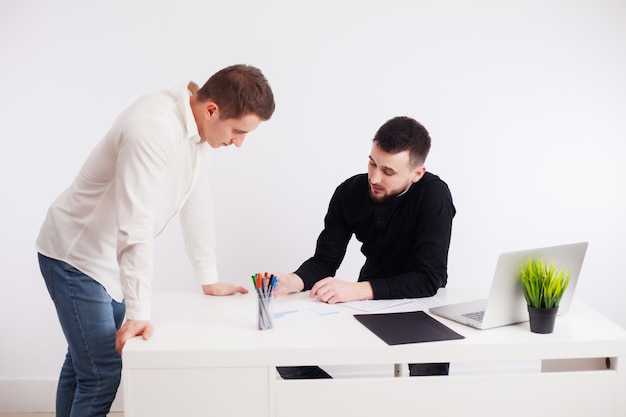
(95, 246)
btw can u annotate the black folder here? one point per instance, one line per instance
(409, 327)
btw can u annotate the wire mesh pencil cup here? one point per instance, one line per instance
(265, 319)
(264, 285)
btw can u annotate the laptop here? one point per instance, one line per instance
(505, 303)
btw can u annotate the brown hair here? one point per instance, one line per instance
(239, 90)
(402, 133)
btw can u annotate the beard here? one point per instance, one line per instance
(382, 198)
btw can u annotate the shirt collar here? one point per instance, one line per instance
(190, 122)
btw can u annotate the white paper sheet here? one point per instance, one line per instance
(391, 306)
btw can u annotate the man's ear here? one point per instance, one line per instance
(210, 110)
(418, 173)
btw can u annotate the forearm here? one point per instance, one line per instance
(313, 270)
(364, 291)
(412, 284)
(136, 272)
(198, 229)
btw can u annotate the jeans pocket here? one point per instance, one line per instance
(45, 266)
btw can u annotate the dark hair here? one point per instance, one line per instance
(239, 90)
(403, 133)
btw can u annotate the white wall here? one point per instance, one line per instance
(525, 102)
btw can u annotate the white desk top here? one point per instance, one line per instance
(195, 330)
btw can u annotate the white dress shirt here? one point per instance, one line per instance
(144, 171)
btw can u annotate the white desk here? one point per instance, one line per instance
(206, 359)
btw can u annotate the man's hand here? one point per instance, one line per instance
(130, 329)
(223, 288)
(287, 284)
(331, 291)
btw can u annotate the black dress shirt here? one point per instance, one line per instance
(405, 239)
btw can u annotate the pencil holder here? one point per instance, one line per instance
(265, 319)
(264, 285)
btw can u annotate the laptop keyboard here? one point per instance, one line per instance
(477, 315)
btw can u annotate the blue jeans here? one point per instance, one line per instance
(89, 318)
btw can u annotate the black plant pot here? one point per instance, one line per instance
(542, 319)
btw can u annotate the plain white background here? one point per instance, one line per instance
(525, 102)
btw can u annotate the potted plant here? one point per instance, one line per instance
(543, 285)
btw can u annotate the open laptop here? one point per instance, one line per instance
(506, 304)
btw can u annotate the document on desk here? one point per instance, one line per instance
(296, 310)
(393, 306)
(407, 327)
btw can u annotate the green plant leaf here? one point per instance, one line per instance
(543, 284)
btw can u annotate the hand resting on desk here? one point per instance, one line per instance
(331, 290)
(328, 290)
(223, 288)
(287, 284)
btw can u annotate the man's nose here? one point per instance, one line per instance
(238, 141)
(375, 178)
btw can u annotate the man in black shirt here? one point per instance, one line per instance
(403, 217)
